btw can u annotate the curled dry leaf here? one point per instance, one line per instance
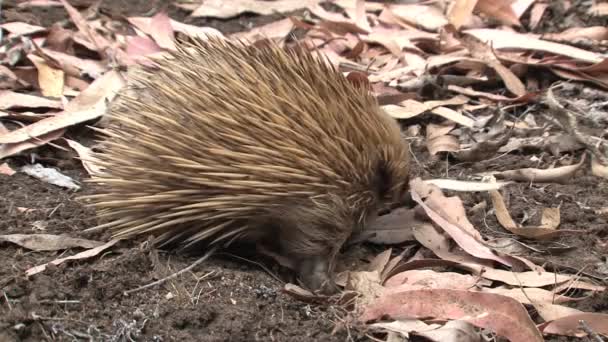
(82, 255)
(570, 326)
(549, 221)
(85, 155)
(502, 314)
(465, 186)
(560, 175)
(453, 221)
(48, 242)
(438, 139)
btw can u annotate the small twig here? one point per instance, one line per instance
(592, 334)
(174, 275)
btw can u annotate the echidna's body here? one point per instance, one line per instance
(226, 142)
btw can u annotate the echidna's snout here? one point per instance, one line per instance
(314, 272)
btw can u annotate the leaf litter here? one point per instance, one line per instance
(471, 75)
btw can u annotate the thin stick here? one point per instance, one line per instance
(592, 334)
(174, 275)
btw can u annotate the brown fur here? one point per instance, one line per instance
(226, 142)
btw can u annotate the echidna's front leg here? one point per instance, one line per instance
(314, 272)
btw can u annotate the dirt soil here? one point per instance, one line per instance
(227, 298)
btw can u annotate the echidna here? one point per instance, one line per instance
(225, 141)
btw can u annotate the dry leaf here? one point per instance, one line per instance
(88, 105)
(453, 220)
(500, 10)
(570, 326)
(82, 255)
(10, 99)
(7, 150)
(560, 175)
(461, 11)
(48, 242)
(275, 30)
(85, 155)
(549, 222)
(502, 314)
(505, 40)
(428, 17)
(228, 9)
(51, 80)
(466, 186)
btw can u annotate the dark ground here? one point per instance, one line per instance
(223, 299)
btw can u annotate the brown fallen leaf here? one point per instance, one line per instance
(429, 279)
(570, 326)
(223, 9)
(85, 155)
(500, 10)
(101, 43)
(438, 139)
(560, 175)
(50, 80)
(461, 12)
(48, 242)
(17, 28)
(278, 29)
(505, 40)
(7, 150)
(10, 99)
(465, 186)
(551, 312)
(546, 230)
(88, 105)
(485, 53)
(82, 255)
(502, 314)
(453, 220)
(428, 17)
(529, 295)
